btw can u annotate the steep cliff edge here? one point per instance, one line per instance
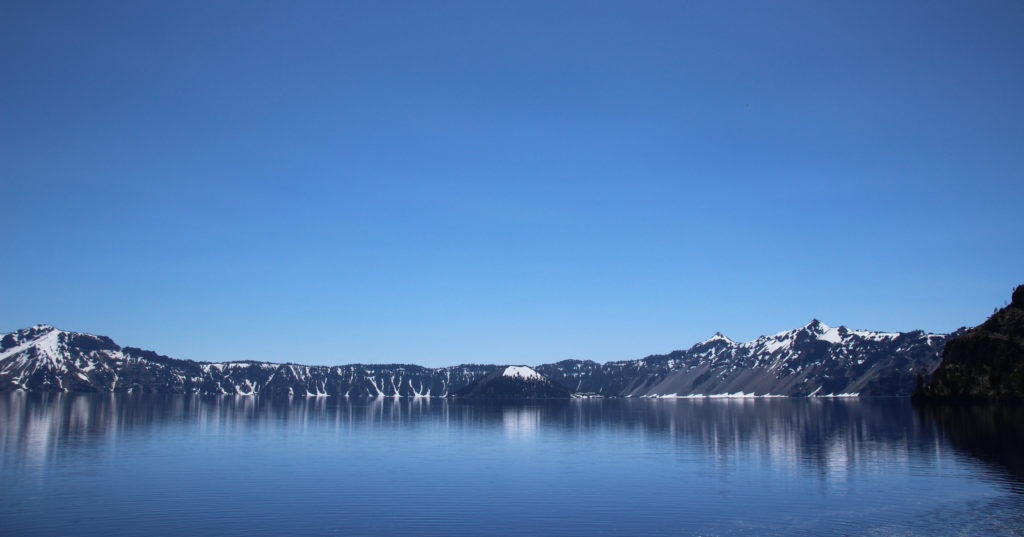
(987, 361)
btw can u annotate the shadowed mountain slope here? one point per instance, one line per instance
(986, 361)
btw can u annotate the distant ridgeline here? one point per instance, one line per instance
(814, 360)
(986, 361)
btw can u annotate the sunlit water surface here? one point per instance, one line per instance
(172, 465)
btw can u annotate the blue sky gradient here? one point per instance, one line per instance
(505, 182)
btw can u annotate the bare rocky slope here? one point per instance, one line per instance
(813, 360)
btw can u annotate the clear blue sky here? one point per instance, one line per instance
(505, 182)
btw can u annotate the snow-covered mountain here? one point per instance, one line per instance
(812, 360)
(514, 382)
(43, 358)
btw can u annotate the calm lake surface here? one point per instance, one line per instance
(179, 465)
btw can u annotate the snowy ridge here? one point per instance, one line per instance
(814, 360)
(43, 358)
(717, 337)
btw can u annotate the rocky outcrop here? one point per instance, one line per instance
(986, 361)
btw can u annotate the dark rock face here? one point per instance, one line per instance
(986, 361)
(508, 383)
(812, 360)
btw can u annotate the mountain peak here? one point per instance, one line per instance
(39, 329)
(717, 337)
(817, 326)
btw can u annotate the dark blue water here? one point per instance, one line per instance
(114, 465)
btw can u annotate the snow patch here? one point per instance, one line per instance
(875, 336)
(737, 395)
(521, 371)
(717, 337)
(831, 335)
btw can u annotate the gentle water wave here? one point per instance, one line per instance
(174, 465)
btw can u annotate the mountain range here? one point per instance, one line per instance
(813, 360)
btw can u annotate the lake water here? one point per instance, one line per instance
(155, 465)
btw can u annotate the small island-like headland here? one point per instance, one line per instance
(514, 382)
(985, 362)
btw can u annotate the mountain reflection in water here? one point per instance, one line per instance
(572, 467)
(990, 432)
